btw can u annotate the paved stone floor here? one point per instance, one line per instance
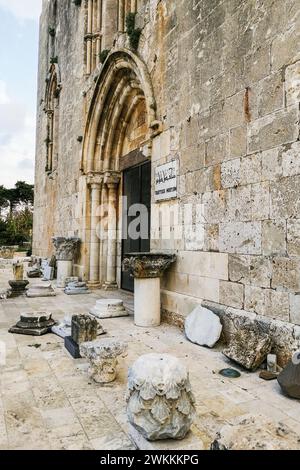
(48, 402)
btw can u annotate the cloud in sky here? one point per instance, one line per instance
(18, 70)
(23, 9)
(17, 140)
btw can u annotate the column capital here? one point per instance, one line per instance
(112, 179)
(95, 180)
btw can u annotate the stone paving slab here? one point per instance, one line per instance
(47, 400)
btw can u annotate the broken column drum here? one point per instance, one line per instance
(65, 251)
(160, 404)
(147, 269)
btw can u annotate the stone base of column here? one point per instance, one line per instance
(64, 270)
(94, 285)
(147, 302)
(110, 286)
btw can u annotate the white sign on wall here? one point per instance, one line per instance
(166, 181)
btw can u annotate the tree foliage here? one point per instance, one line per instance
(16, 213)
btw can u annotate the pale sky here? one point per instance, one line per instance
(18, 85)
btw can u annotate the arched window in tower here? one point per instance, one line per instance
(93, 35)
(52, 111)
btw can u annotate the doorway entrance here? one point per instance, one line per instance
(137, 190)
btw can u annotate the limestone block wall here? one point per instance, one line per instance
(226, 79)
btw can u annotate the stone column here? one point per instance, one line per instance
(147, 269)
(88, 37)
(65, 250)
(110, 22)
(95, 240)
(112, 181)
(103, 235)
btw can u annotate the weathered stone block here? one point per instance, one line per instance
(250, 170)
(285, 48)
(273, 130)
(238, 141)
(232, 294)
(214, 206)
(268, 302)
(293, 237)
(292, 83)
(260, 271)
(274, 237)
(295, 308)
(230, 173)
(271, 164)
(257, 64)
(285, 201)
(249, 347)
(239, 203)
(240, 237)
(286, 274)
(291, 160)
(239, 268)
(217, 149)
(260, 193)
(271, 94)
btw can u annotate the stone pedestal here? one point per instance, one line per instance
(147, 302)
(65, 251)
(160, 404)
(109, 308)
(17, 288)
(103, 359)
(41, 290)
(34, 324)
(147, 269)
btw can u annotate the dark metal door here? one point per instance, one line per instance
(137, 189)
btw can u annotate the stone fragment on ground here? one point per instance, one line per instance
(257, 432)
(289, 377)
(203, 327)
(249, 347)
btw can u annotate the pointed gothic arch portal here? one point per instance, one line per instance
(118, 137)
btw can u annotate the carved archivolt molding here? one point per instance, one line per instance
(123, 83)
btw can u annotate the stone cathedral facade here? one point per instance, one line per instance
(191, 108)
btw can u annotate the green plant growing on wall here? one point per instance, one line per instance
(77, 3)
(103, 54)
(134, 33)
(51, 31)
(54, 60)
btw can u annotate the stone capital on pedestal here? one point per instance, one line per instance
(65, 247)
(147, 265)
